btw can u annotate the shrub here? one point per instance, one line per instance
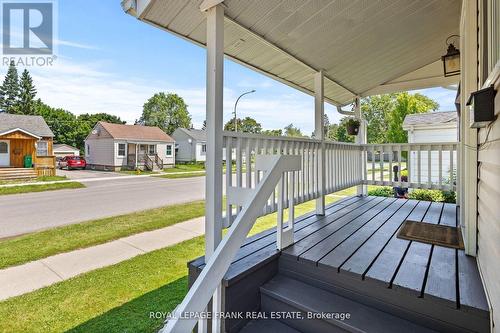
(383, 191)
(426, 195)
(449, 196)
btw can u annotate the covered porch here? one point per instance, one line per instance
(143, 156)
(338, 52)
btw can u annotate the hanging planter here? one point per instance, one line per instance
(352, 126)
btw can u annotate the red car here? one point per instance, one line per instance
(72, 162)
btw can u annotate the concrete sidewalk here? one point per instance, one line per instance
(37, 274)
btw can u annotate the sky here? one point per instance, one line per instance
(107, 61)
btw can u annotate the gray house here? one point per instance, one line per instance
(116, 146)
(191, 145)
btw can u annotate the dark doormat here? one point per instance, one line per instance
(432, 234)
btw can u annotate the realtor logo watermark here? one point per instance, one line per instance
(28, 32)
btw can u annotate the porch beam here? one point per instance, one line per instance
(214, 117)
(319, 134)
(361, 138)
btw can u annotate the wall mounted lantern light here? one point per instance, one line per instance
(451, 60)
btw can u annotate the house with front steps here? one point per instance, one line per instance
(113, 147)
(354, 257)
(26, 144)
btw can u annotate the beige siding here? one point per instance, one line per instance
(489, 210)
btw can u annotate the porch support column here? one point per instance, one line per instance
(361, 138)
(468, 139)
(213, 164)
(319, 134)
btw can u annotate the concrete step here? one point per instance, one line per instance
(267, 326)
(325, 311)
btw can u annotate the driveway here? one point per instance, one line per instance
(80, 174)
(30, 212)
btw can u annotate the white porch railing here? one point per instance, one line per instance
(252, 201)
(343, 167)
(428, 165)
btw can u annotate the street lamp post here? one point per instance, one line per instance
(236, 104)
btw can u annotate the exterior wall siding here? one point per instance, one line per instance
(489, 209)
(101, 152)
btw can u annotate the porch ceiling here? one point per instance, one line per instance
(365, 47)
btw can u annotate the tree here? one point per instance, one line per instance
(291, 130)
(246, 125)
(27, 94)
(406, 104)
(338, 132)
(9, 91)
(273, 132)
(375, 110)
(167, 111)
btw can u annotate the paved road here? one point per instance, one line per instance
(29, 212)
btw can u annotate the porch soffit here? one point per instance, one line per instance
(364, 47)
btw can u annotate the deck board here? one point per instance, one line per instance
(312, 235)
(325, 246)
(387, 262)
(341, 253)
(361, 260)
(411, 273)
(441, 280)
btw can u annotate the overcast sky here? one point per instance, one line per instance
(110, 62)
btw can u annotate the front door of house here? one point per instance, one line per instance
(4, 153)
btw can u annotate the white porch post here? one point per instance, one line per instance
(319, 133)
(213, 191)
(361, 138)
(468, 139)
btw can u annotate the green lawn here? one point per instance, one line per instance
(185, 168)
(138, 172)
(182, 175)
(42, 244)
(118, 298)
(39, 188)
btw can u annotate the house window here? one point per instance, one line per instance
(121, 150)
(88, 149)
(169, 150)
(4, 148)
(152, 149)
(203, 148)
(42, 148)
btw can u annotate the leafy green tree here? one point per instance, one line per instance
(246, 125)
(273, 132)
(376, 110)
(27, 94)
(291, 130)
(406, 104)
(9, 91)
(63, 123)
(167, 111)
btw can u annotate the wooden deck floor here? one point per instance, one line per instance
(355, 244)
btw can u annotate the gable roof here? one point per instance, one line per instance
(31, 124)
(195, 134)
(63, 147)
(136, 132)
(446, 117)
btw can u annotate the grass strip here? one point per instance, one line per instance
(39, 188)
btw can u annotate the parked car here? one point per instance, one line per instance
(72, 162)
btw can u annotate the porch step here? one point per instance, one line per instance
(17, 173)
(267, 326)
(287, 294)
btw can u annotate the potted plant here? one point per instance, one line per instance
(352, 126)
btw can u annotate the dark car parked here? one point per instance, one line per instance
(72, 162)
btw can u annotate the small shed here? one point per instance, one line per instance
(431, 127)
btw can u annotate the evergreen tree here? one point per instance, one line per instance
(9, 91)
(27, 94)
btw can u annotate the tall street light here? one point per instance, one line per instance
(236, 104)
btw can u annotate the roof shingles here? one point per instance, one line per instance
(136, 132)
(33, 124)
